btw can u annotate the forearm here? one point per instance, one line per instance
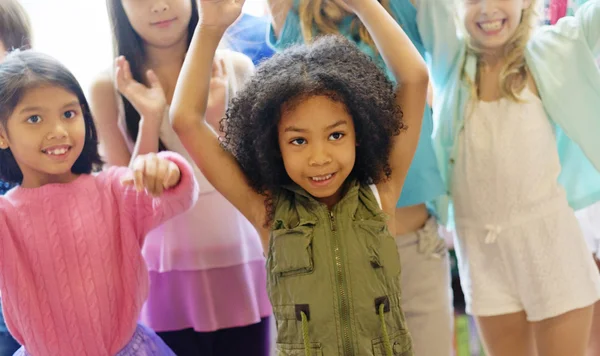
(147, 138)
(190, 100)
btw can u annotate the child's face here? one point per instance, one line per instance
(45, 134)
(491, 23)
(318, 146)
(160, 23)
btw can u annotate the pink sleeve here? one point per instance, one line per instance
(149, 212)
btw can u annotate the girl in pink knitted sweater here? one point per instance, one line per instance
(72, 276)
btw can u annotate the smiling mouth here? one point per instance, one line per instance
(322, 178)
(492, 26)
(57, 151)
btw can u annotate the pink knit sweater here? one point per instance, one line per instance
(72, 275)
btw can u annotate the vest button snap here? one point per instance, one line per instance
(397, 348)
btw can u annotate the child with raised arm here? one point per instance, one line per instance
(518, 146)
(206, 266)
(314, 158)
(426, 297)
(72, 275)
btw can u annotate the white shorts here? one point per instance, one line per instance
(542, 266)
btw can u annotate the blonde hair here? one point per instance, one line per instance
(514, 72)
(325, 16)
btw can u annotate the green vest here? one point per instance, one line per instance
(334, 277)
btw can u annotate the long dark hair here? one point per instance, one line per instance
(24, 70)
(127, 42)
(15, 27)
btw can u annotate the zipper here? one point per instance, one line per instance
(343, 293)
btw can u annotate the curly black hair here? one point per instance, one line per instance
(331, 66)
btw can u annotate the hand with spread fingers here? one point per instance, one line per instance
(150, 102)
(219, 13)
(153, 174)
(218, 95)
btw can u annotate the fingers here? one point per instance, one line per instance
(162, 169)
(126, 69)
(139, 167)
(219, 70)
(215, 69)
(153, 79)
(173, 176)
(127, 180)
(223, 68)
(152, 174)
(122, 74)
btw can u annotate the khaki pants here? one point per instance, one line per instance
(426, 290)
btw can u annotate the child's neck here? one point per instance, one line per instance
(166, 64)
(488, 76)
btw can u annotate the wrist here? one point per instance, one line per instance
(217, 31)
(151, 122)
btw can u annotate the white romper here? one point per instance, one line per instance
(519, 245)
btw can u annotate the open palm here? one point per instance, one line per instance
(220, 13)
(150, 102)
(218, 95)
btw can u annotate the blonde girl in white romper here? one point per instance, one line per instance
(526, 271)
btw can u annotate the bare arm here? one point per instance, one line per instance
(410, 71)
(279, 10)
(105, 110)
(188, 111)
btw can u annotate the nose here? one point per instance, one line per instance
(488, 7)
(319, 156)
(59, 131)
(160, 6)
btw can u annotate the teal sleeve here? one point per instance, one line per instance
(588, 19)
(437, 27)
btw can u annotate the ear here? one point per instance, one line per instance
(3, 138)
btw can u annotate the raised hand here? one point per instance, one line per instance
(218, 95)
(219, 13)
(153, 174)
(150, 102)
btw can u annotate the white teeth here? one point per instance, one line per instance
(492, 26)
(321, 178)
(57, 152)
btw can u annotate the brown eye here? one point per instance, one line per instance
(35, 119)
(336, 136)
(70, 114)
(298, 141)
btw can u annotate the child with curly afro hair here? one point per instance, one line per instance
(314, 152)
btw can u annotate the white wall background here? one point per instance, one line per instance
(77, 33)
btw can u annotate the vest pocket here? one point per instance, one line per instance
(298, 349)
(400, 344)
(382, 248)
(292, 251)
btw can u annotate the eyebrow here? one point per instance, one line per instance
(332, 126)
(39, 108)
